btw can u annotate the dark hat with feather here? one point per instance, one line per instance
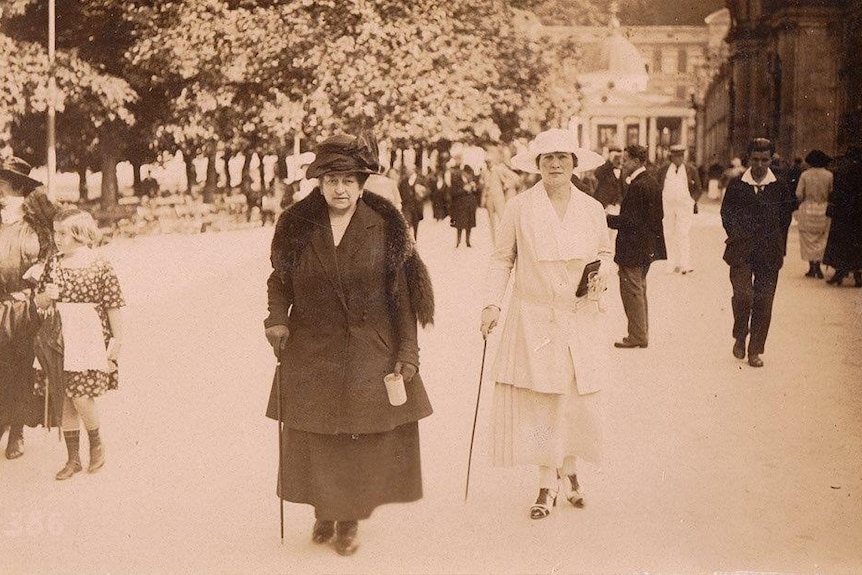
(17, 172)
(345, 153)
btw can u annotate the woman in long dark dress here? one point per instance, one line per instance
(344, 299)
(465, 201)
(844, 246)
(25, 239)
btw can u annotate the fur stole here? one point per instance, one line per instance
(293, 234)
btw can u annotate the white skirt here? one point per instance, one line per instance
(531, 428)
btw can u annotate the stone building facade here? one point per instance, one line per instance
(794, 76)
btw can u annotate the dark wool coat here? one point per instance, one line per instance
(352, 313)
(757, 224)
(640, 240)
(844, 246)
(609, 188)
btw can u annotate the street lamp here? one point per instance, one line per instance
(52, 96)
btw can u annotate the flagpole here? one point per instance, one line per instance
(52, 96)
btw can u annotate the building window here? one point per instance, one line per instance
(633, 132)
(681, 92)
(656, 60)
(607, 135)
(682, 61)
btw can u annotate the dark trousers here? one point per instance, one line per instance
(633, 292)
(753, 292)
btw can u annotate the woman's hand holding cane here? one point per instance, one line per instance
(277, 336)
(490, 317)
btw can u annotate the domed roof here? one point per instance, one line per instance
(616, 60)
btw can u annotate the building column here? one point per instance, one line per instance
(621, 133)
(653, 138)
(683, 132)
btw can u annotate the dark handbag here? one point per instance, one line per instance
(583, 285)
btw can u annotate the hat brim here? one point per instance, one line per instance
(587, 160)
(19, 180)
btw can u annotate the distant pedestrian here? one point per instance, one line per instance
(681, 189)
(412, 189)
(756, 213)
(439, 183)
(640, 241)
(385, 186)
(844, 246)
(552, 360)
(88, 298)
(345, 295)
(609, 181)
(813, 191)
(501, 183)
(464, 192)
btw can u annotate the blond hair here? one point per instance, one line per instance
(80, 225)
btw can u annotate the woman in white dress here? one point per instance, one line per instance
(553, 350)
(813, 191)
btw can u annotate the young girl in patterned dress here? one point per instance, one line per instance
(87, 296)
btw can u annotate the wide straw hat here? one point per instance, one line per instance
(555, 140)
(17, 172)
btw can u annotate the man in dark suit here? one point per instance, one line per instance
(756, 213)
(640, 241)
(609, 181)
(681, 190)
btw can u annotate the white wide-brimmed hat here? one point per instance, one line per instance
(555, 140)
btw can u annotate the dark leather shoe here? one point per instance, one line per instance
(739, 349)
(754, 360)
(346, 537)
(628, 344)
(15, 447)
(323, 531)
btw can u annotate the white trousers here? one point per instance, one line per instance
(677, 234)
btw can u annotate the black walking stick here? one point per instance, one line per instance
(280, 447)
(475, 417)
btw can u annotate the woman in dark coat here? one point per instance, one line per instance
(844, 246)
(465, 201)
(25, 238)
(344, 299)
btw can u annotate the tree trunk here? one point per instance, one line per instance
(281, 166)
(109, 144)
(211, 184)
(227, 157)
(245, 181)
(191, 173)
(83, 190)
(420, 159)
(262, 172)
(136, 175)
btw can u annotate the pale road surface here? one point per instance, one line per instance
(709, 465)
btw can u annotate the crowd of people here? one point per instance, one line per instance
(348, 291)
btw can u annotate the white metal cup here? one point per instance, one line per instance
(395, 389)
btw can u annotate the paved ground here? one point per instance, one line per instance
(710, 466)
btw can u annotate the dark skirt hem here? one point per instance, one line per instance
(346, 476)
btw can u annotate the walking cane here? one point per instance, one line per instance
(475, 417)
(280, 446)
